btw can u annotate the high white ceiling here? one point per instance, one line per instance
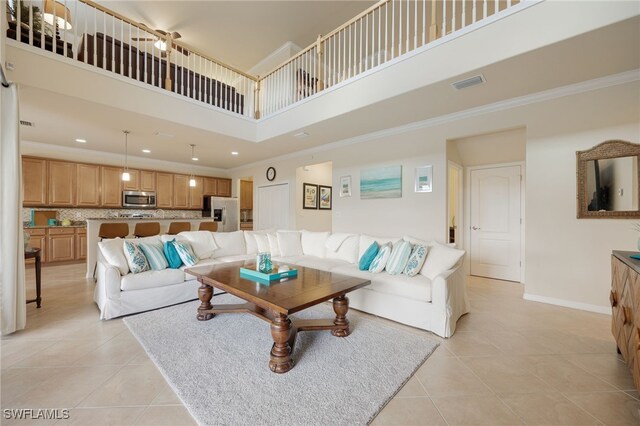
(241, 33)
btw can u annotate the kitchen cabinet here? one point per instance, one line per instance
(61, 177)
(180, 192)
(34, 181)
(88, 189)
(62, 242)
(147, 180)
(134, 183)
(81, 243)
(224, 187)
(210, 186)
(111, 180)
(38, 239)
(164, 190)
(246, 195)
(195, 194)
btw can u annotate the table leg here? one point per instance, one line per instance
(341, 306)
(38, 282)
(281, 361)
(205, 293)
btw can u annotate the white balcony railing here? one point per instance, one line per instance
(92, 34)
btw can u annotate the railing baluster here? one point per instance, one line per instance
(463, 20)
(393, 28)
(408, 28)
(415, 24)
(400, 21)
(444, 18)
(30, 21)
(130, 52)
(121, 47)
(496, 8)
(453, 15)
(379, 33)
(473, 12)
(424, 21)
(113, 44)
(19, 23)
(104, 41)
(64, 36)
(484, 9)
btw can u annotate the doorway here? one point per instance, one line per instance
(272, 207)
(496, 222)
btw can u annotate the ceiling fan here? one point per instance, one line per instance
(161, 43)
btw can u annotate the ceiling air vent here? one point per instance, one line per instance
(463, 84)
(27, 123)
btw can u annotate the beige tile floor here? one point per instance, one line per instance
(510, 362)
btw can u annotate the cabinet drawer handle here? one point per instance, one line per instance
(613, 297)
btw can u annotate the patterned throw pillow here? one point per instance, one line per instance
(399, 258)
(368, 256)
(416, 260)
(186, 253)
(135, 258)
(170, 252)
(381, 259)
(154, 255)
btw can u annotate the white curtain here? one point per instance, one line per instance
(12, 290)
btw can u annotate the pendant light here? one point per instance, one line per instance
(126, 177)
(192, 179)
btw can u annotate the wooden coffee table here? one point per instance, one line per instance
(276, 301)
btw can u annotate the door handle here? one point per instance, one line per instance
(475, 228)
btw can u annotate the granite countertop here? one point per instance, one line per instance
(84, 225)
(153, 219)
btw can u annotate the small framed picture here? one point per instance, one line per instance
(424, 177)
(345, 186)
(310, 196)
(325, 198)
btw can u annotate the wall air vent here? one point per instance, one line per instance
(468, 82)
(27, 123)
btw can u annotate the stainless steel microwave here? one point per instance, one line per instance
(138, 200)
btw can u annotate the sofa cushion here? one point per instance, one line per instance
(347, 250)
(113, 253)
(289, 243)
(381, 259)
(236, 258)
(368, 256)
(416, 260)
(135, 258)
(319, 263)
(202, 243)
(335, 240)
(262, 241)
(229, 243)
(155, 256)
(417, 288)
(366, 240)
(171, 253)
(250, 242)
(151, 279)
(399, 258)
(186, 253)
(274, 247)
(313, 243)
(439, 259)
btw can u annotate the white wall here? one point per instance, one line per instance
(317, 174)
(506, 146)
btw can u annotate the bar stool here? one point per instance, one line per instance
(208, 226)
(177, 227)
(146, 229)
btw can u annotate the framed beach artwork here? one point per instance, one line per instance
(345, 186)
(381, 182)
(325, 198)
(309, 196)
(424, 179)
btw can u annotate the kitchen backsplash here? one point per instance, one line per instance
(84, 214)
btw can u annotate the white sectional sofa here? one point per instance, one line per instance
(430, 304)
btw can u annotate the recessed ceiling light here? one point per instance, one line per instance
(81, 140)
(301, 135)
(194, 158)
(234, 152)
(146, 151)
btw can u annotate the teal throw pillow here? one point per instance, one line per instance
(135, 258)
(170, 252)
(368, 256)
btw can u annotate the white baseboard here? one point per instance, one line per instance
(568, 304)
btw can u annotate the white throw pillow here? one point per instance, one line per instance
(135, 257)
(313, 243)
(367, 240)
(335, 240)
(417, 241)
(229, 244)
(439, 259)
(202, 243)
(250, 242)
(274, 247)
(416, 260)
(262, 241)
(348, 250)
(113, 252)
(381, 259)
(289, 243)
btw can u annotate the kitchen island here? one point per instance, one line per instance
(93, 227)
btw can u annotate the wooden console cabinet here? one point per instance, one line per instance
(625, 305)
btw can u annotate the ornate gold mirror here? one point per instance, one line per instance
(608, 181)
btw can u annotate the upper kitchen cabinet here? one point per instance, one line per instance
(133, 184)
(34, 181)
(61, 177)
(210, 186)
(88, 190)
(147, 180)
(195, 194)
(164, 190)
(246, 195)
(180, 192)
(111, 178)
(224, 187)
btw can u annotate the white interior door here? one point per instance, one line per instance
(273, 207)
(496, 223)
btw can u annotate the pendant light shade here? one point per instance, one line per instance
(126, 177)
(192, 179)
(192, 182)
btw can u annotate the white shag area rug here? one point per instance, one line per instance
(219, 368)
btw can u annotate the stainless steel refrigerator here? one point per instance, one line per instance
(224, 211)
